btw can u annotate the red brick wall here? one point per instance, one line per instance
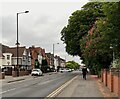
(119, 86)
(112, 81)
(109, 80)
(2, 75)
(105, 77)
(23, 73)
(115, 84)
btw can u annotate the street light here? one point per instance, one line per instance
(17, 43)
(53, 52)
(113, 54)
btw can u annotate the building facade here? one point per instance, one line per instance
(8, 58)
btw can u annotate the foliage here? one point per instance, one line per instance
(44, 66)
(113, 30)
(79, 23)
(72, 65)
(116, 63)
(102, 36)
(90, 33)
(44, 62)
(37, 64)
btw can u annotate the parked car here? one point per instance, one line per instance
(36, 72)
(65, 70)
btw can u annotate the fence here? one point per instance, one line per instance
(111, 79)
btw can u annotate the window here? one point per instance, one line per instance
(29, 58)
(8, 57)
(24, 58)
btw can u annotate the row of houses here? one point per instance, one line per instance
(26, 58)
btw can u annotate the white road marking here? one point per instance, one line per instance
(46, 82)
(7, 90)
(54, 93)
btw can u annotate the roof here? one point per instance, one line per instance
(13, 50)
(37, 50)
(2, 49)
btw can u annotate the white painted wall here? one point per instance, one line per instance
(56, 63)
(1, 61)
(62, 64)
(40, 58)
(5, 60)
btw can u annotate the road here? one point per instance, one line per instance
(36, 87)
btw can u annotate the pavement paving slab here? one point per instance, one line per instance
(89, 88)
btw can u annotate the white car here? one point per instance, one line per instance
(65, 70)
(36, 72)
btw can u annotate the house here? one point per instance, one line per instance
(49, 58)
(37, 53)
(8, 58)
(62, 63)
(59, 62)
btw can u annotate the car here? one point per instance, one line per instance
(36, 72)
(65, 70)
(62, 70)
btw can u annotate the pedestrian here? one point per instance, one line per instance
(84, 72)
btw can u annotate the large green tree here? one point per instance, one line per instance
(96, 45)
(91, 31)
(79, 23)
(113, 26)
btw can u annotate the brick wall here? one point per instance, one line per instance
(115, 84)
(21, 73)
(111, 79)
(2, 75)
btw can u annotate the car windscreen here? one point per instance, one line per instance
(36, 70)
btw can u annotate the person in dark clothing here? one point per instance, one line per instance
(84, 72)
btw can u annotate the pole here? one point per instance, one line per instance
(113, 56)
(65, 56)
(53, 55)
(17, 40)
(17, 48)
(17, 67)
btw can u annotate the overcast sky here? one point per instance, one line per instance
(41, 26)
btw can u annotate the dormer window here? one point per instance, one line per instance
(8, 57)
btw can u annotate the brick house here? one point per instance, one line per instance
(49, 58)
(36, 53)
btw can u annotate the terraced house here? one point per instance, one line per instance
(8, 59)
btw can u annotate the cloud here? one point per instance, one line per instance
(8, 29)
(40, 27)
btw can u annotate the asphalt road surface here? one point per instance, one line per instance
(40, 86)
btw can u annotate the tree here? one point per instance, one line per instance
(79, 23)
(96, 45)
(37, 64)
(44, 66)
(72, 65)
(113, 19)
(91, 31)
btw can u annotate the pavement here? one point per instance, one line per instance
(91, 87)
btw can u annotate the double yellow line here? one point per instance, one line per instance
(58, 90)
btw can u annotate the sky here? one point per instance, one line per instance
(40, 27)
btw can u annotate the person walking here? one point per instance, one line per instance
(84, 72)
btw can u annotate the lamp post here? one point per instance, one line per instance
(17, 43)
(53, 52)
(113, 54)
